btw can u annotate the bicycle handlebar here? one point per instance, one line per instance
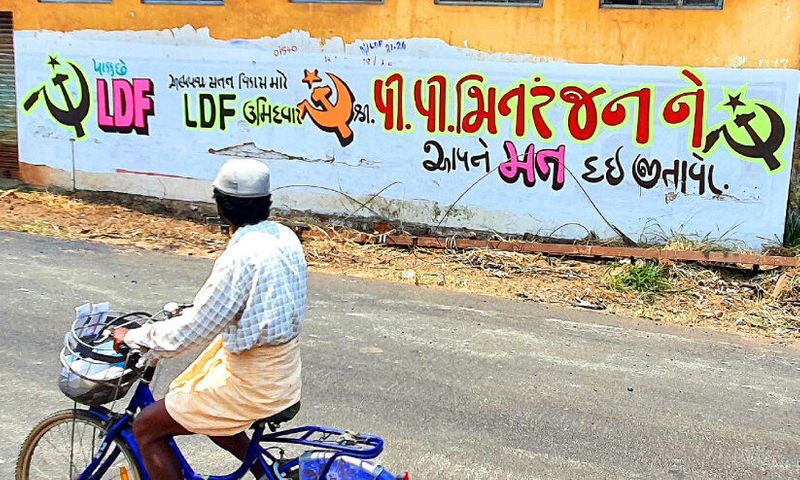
(173, 309)
(170, 310)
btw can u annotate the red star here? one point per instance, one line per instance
(311, 78)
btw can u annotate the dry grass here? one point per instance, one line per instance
(766, 304)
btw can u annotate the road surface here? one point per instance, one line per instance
(461, 386)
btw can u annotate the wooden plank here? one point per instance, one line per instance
(591, 251)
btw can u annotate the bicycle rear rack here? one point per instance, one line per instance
(359, 445)
(341, 443)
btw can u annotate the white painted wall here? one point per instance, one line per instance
(751, 210)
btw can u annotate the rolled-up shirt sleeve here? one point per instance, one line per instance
(216, 305)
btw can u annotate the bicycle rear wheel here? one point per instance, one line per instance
(61, 449)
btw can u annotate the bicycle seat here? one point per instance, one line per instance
(274, 422)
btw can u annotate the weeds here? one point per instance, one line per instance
(654, 234)
(704, 243)
(644, 277)
(789, 246)
(684, 293)
(792, 238)
(38, 228)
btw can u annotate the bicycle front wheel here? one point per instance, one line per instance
(62, 446)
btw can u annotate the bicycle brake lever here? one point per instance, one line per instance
(123, 349)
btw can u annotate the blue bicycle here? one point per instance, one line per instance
(96, 443)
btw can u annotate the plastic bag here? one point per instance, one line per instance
(312, 465)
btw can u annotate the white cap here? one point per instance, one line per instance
(244, 178)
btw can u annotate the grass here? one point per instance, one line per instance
(643, 277)
(790, 246)
(705, 243)
(678, 239)
(684, 293)
(38, 228)
(792, 238)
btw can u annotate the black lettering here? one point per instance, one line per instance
(208, 110)
(439, 163)
(591, 170)
(186, 115)
(225, 111)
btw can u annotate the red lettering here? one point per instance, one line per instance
(583, 104)
(484, 111)
(516, 94)
(677, 111)
(436, 109)
(615, 112)
(389, 101)
(537, 113)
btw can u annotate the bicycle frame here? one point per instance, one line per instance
(368, 446)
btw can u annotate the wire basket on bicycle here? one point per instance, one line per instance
(93, 372)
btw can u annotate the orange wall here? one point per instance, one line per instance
(746, 33)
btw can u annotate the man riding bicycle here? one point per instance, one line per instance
(250, 309)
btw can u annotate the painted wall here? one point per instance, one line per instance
(508, 110)
(746, 33)
(549, 148)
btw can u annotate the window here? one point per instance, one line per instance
(662, 3)
(74, 1)
(510, 3)
(184, 2)
(337, 1)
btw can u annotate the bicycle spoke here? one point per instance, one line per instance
(88, 454)
(51, 443)
(112, 457)
(94, 449)
(74, 445)
(72, 449)
(55, 448)
(41, 472)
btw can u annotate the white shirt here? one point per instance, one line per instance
(256, 295)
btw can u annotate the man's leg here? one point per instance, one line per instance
(238, 445)
(153, 428)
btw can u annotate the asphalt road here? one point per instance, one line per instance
(461, 386)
